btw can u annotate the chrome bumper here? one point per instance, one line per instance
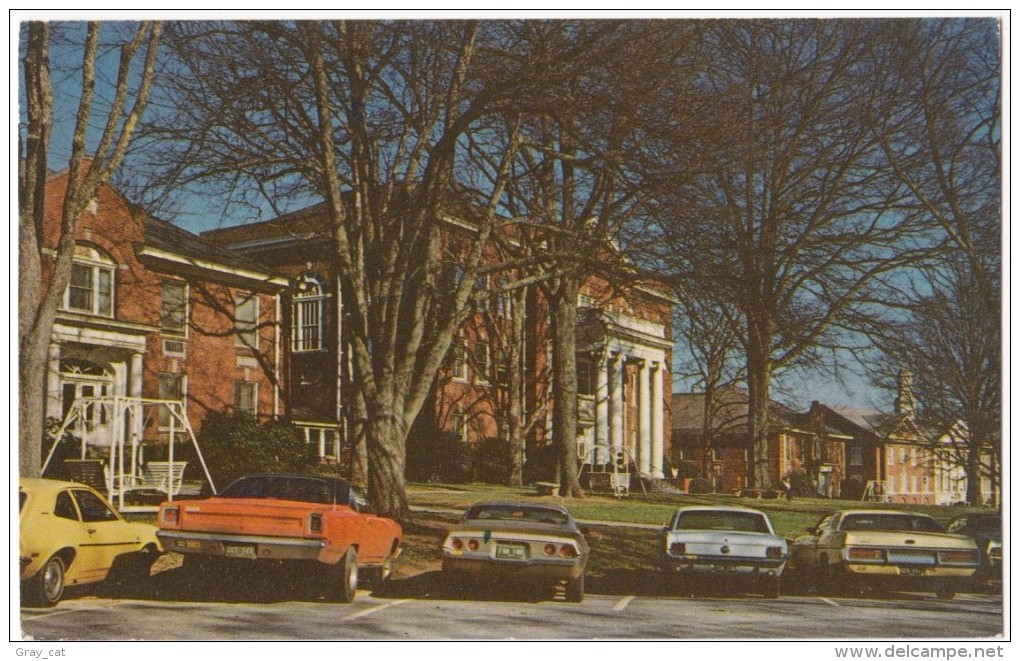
(247, 547)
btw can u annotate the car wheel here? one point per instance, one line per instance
(133, 568)
(575, 589)
(379, 575)
(47, 586)
(344, 582)
(770, 587)
(945, 593)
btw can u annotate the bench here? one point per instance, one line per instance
(162, 476)
(546, 488)
(87, 471)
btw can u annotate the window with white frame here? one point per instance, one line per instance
(246, 316)
(585, 376)
(90, 289)
(456, 360)
(173, 307)
(308, 315)
(246, 396)
(481, 360)
(856, 456)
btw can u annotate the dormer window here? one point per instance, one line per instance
(90, 290)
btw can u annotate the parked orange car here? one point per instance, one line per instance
(288, 518)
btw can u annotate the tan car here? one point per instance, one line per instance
(71, 536)
(522, 542)
(884, 549)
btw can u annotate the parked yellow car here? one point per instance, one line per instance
(884, 549)
(71, 536)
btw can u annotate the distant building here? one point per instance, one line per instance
(797, 443)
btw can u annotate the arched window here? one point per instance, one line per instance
(309, 315)
(90, 290)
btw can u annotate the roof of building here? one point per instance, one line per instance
(730, 416)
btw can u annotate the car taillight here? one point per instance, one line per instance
(961, 557)
(314, 523)
(550, 549)
(170, 515)
(568, 551)
(472, 544)
(678, 548)
(774, 552)
(864, 554)
(456, 544)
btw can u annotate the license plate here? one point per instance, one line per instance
(509, 552)
(239, 552)
(912, 571)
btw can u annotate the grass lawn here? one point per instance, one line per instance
(790, 518)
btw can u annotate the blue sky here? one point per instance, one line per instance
(196, 214)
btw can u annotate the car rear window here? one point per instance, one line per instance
(296, 488)
(889, 523)
(515, 513)
(737, 521)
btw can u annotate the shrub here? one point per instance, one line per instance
(439, 457)
(235, 444)
(801, 484)
(699, 485)
(490, 461)
(687, 470)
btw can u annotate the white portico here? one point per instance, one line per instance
(628, 360)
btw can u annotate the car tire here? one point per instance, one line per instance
(575, 589)
(945, 593)
(377, 576)
(47, 586)
(344, 579)
(770, 587)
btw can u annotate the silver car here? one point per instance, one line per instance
(503, 540)
(735, 542)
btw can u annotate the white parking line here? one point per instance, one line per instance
(829, 601)
(375, 609)
(623, 603)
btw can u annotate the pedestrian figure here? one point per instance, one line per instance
(787, 487)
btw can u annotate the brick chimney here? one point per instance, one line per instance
(905, 404)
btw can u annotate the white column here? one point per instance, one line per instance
(135, 380)
(657, 441)
(602, 411)
(53, 383)
(616, 402)
(644, 419)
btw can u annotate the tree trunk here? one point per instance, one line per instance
(358, 422)
(387, 488)
(564, 427)
(759, 374)
(515, 387)
(973, 469)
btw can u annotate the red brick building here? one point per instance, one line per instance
(797, 443)
(624, 355)
(154, 312)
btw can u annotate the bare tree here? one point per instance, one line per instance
(389, 123)
(42, 278)
(786, 210)
(941, 130)
(952, 347)
(705, 329)
(574, 183)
